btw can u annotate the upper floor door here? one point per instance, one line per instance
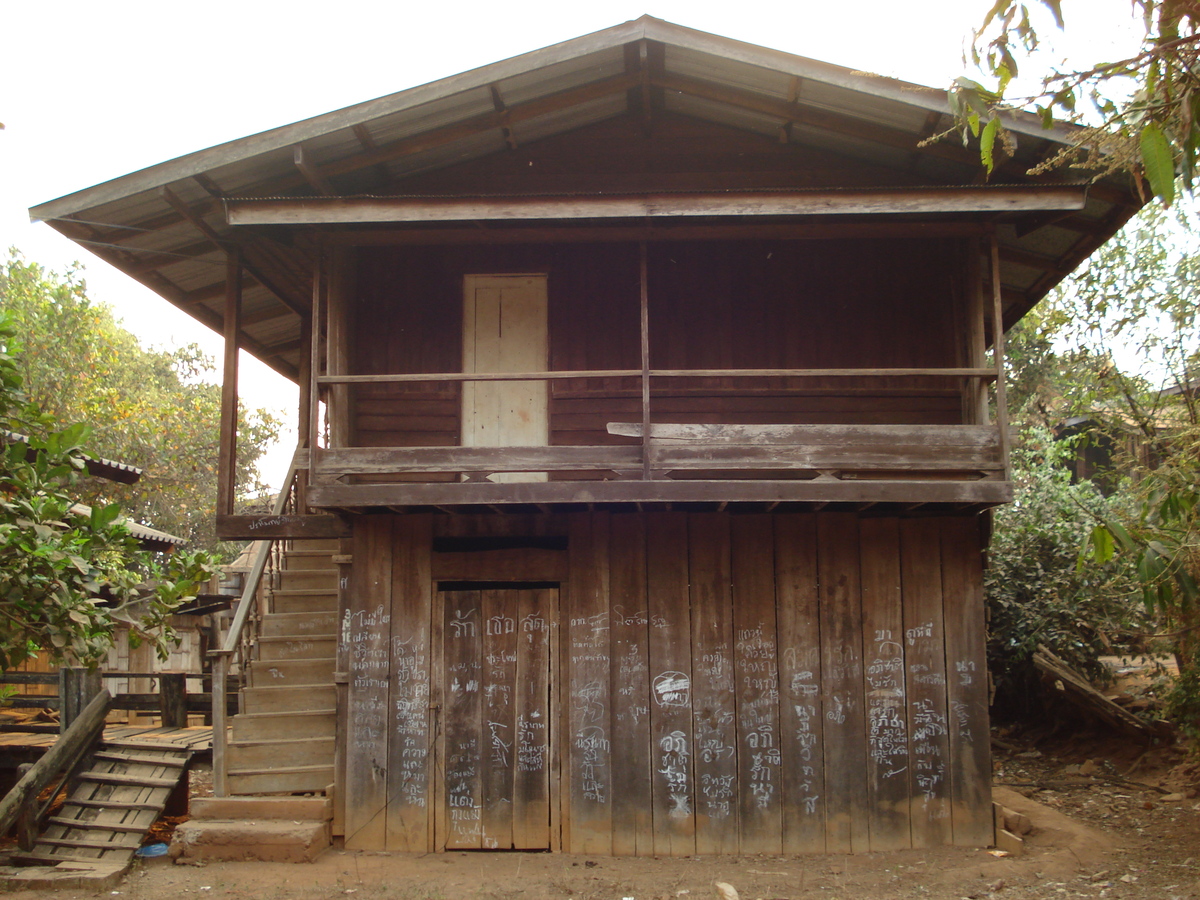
(505, 330)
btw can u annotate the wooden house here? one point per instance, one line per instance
(645, 389)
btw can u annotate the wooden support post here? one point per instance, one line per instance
(998, 354)
(314, 363)
(304, 379)
(172, 699)
(227, 455)
(76, 688)
(220, 712)
(645, 328)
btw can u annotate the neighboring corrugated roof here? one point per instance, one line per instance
(165, 226)
(101, 468)
(150, 538)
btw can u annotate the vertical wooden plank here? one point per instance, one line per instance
(670, 685)
(462, 719)
(757, 671)
(409, 801)
(966, 675)
(498, 683)
(366, 631)
(227, 448)
(887, 720)
(588, 714)
(531, 780)
(925, 664)
(842, 686)
(644, 306)
(630, 687)
(800, 710)
(714, 706)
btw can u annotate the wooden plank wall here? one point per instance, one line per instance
(726, 683)
(713, 304)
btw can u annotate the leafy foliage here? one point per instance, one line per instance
(1036, 592)
(156, 410)
(1154, 131)
(68, 580)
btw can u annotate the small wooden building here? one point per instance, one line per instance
(645, 383)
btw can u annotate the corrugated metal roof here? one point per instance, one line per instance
(363, 149)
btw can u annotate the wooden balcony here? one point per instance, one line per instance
(957, 465)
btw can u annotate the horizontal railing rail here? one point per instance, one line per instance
(984, 374)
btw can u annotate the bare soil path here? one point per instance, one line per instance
(1111, 820)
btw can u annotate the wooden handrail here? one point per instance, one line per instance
(221, 657)
(985, 374)
(68, 750)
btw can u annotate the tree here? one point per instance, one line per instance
(1120, 345)
(1141, 112)
(68, 580)
(157, 410)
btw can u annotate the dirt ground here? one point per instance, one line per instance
(1111, 820)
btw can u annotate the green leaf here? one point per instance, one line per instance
(1102, 544)
(1055, 6)
(104, 516)
(1158, 162)
(987, 142)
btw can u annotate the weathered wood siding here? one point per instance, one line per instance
(718, 683)
(736, 304)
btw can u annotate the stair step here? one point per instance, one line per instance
(288, 699)
(140, 781)
(301, 601)
(110, 804)
(272, 647)
(322, 623)
(47, 859)
(292, 779)
(171, 762)
(311, 809)
(282, 725)
(263, 754)
(93, 825)
(312, 558)
(280, 672)
(88, 845)
(325, 579)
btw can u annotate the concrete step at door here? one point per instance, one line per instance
(300, 625)
(285, 672)
(308, 723)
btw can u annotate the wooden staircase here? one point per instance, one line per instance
(283, 740)
(111, 808)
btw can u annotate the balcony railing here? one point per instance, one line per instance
(682, 461)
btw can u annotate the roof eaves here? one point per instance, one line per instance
(234, 151)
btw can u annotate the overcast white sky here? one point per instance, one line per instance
(93, 90)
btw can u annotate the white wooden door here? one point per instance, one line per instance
(505, 330)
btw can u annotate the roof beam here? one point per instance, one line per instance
(311, 171)
(591, 234)
(498, 104)
(224, 244)
(351, 211)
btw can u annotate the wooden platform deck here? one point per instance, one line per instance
(195, 739)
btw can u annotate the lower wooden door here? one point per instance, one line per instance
(496, 729)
